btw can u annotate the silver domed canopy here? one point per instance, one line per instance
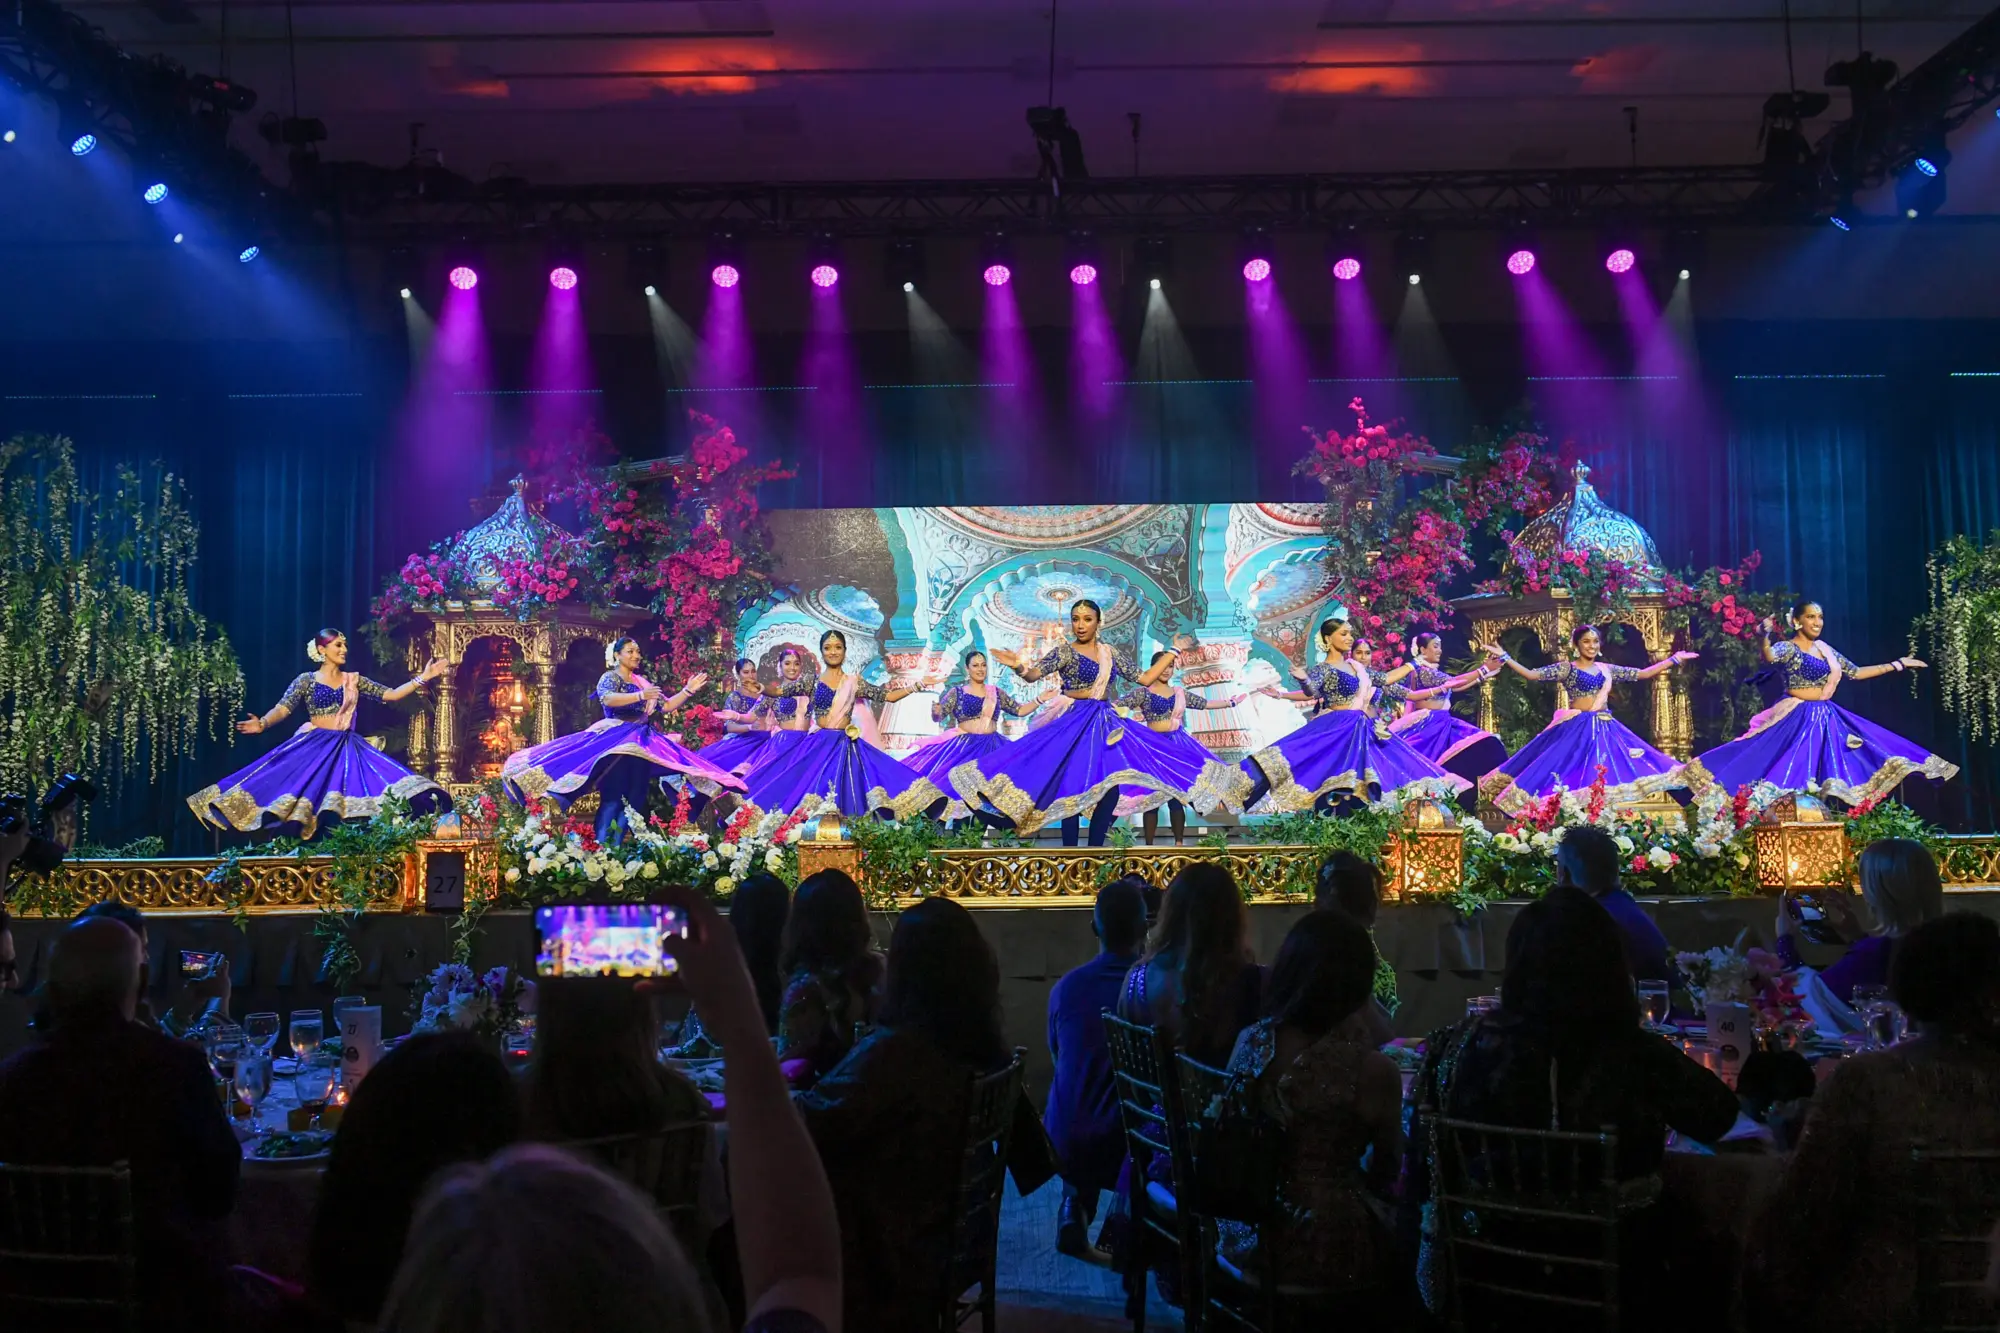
(512, 532)
(1582, 522)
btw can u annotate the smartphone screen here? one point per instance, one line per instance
(197, 965)
(1808, 907)
(605, 941)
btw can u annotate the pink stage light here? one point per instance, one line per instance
(562, 278)
(998, 275)
(1083, 274)
(823, 275)
(1620, 261)
(724, 275)
(463, 278)
(1347, 270)
(1521, 263)
(1257, 270)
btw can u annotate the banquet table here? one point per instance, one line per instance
(271, 1225)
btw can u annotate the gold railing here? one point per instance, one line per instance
(1971, 861)
(179, 886)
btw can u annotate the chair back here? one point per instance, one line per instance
(1140, 1065)
(971, 1278)
(67, 1252)
(664, 1164)
(1960, 1190)
(1530, 1222)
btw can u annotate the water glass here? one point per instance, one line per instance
(253, 1085)
(262, 1030)
(308, 1031)
(1867, 995)
(314, 1083)
(341, 1004)
(1655, 1002)
(1882, 1024)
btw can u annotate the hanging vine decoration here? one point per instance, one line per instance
(105, 666)
(1960, 633)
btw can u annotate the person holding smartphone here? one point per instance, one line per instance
(1901, 886)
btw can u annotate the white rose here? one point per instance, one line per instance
(774, 859)
(726, 849)
(1624, 845)
(709, 860)
(513, 874)
(1541, 842)
(649, 871)
(1659, 858)
(793, 834)
(1506, 842)
(591, 872)
(724, 884)
(632, 866)
(536, 865)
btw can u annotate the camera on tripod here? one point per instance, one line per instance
(51, 832)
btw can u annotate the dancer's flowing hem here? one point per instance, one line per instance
(568, 766)
(1336, 752)
(1568, 754)
(1451, 743)
(950, 762)
(1213, 783)
(317, 774)
(1061, 770)
(858, 778)
(1814, 744)
(735, 753)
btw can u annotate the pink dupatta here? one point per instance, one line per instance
(350, 699)
(860, 716)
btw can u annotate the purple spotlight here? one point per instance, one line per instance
(463, 278)
(562, 278)
(1083, 274)
(1620, 261)
(724, 275)
(1521, 263)
(823, 275)
(998, 275)
(1257, 270)
(1347, 270)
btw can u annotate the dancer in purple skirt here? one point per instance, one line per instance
(1805, 740)
(620, 756)
(1428, 724)
(1199, 771)
(746, 722)
(842, 758)
(971, 710)
(1584, 739)
(325, 772)
(785, 706)
(1343, 753)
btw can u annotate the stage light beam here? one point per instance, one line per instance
(1521, 263)
(156, 192)
(1083, 275)
(1620, 260)
(8, 137)
(824, 275)
(248, 253)
(562, 278)
(1257, 270)
(83, 145)
(404, 293)
(996, 275)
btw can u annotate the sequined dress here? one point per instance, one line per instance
(1450, 742)
(1065, 766)
(834, 761)
(1800, 742)
(1194, 766)
(324, 771)
(619, 757)
(1568, 752)
(972, 737)
(735, 752)
(1341, 751)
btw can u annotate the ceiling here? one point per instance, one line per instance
(687, 90)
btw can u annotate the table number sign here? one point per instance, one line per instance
(1731, 1037)
(360, 1041)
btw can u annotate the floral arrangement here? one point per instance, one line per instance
(547, 578)
(460, 1000)
(105, 666)
(1960, 633)
(1755, 978)
(547, 854)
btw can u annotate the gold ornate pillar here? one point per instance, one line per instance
(446, 769)
(542, 680)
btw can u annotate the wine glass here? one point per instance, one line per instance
(262, 1030)
(1882, 1023)
(1656, 1001)
(341, 1004)
(308, 1031)
(313, 1084)
(253, 1085)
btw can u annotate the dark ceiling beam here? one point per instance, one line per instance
(1872, 22)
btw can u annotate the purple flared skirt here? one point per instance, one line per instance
(1063, 768)
(568, 766)
(1184, 762)
(940, 759)
(776, 751)
(856, 776)
(735, 753)
(1452, 743)
(1567, 753)
(1340, 751)
(317, 774)
(1818, 742)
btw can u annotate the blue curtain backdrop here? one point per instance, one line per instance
(1844, 452)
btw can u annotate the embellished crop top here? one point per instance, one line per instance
(612, 683)
(958, 704)
(1079, 670)
(1804, 670)
(317, 698)
(1331, 687)
(1156, 708)
(1582, 680)
(821, 695)
(1424, 677)
(736, 701)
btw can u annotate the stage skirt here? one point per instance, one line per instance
(1336, 752)
(1568, 752)
(319, 773)
(1452, 743)
(568, 766)
(1064, 767)
(736, 752)
(856, 776)
(1817, 741)
(943, 757)
(1187, 765)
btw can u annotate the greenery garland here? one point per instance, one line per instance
(1960, 633)
(105, 666)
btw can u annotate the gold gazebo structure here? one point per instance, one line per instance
(1583, 522)
(503, 669)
